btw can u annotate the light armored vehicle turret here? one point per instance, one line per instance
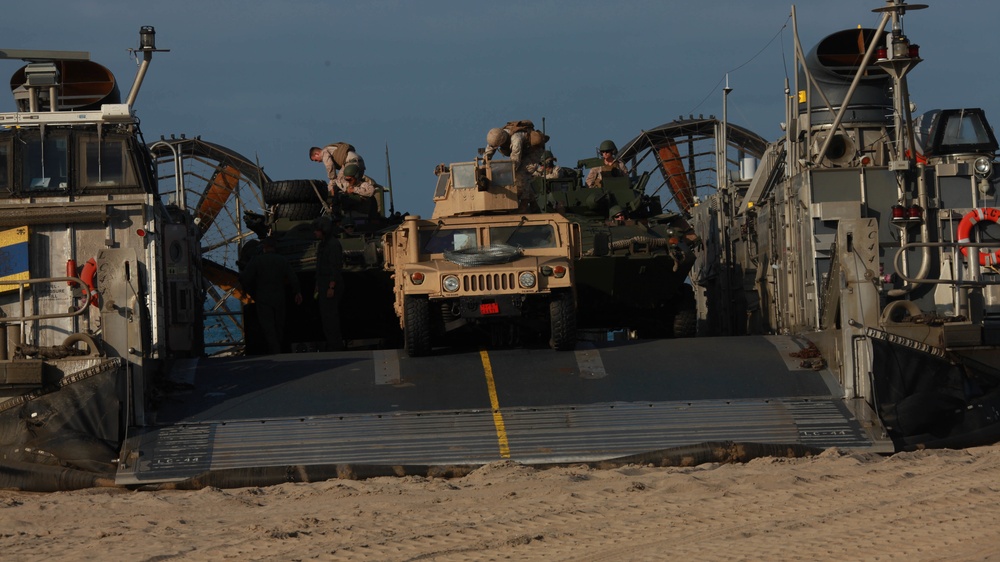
(636, 255)
(479, 264)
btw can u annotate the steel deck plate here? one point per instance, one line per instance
(471, 408)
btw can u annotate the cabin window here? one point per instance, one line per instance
(525, 236)
(446, 240)
(502, 172)
(955, 131)
(46, 163)
(442, 185)
(463, 175)
(104, 163)
(963, 130)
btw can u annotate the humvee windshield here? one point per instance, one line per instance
(533, 236)
(445, 240)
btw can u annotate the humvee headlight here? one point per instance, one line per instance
(559, 271)
(983, 167)
(450, 283)
(546, 270)
(526, 279)
(416, 278)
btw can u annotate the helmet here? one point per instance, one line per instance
(608, 145)
(497, 137)
(547, 158)
(352, 171)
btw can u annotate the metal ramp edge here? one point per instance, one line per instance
(541, 435)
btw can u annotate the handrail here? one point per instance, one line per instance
(973, 262)
(23, 282)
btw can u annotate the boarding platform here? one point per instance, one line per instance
(468, 408)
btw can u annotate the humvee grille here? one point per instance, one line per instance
(487, 282)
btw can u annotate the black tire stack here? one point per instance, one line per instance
(294, 199)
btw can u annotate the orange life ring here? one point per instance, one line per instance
(965, 228)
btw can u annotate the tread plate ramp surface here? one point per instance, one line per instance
(472, 408)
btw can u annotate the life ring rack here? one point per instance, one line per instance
(970, 220)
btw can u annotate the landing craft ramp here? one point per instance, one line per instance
(384, 409)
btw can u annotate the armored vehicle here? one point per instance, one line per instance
(291, 207)
(478, 264)
(636, 255)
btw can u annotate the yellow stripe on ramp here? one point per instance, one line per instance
(495, 405)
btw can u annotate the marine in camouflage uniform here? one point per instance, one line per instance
(335, 157)
(356, 191)
(612, 166)
(550, 170)
(354, 182)
(524, 145)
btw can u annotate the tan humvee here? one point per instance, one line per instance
(479, 264)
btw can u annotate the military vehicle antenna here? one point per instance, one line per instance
(388, 180)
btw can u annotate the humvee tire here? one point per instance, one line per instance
(686, 323)
(562, 319)
(417, 325)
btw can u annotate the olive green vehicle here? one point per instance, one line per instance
(292, 206)
(636, 255)
(480, 266)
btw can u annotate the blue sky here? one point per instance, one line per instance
(270, 79)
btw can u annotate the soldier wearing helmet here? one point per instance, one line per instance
(335, 156)
(356, 191)
(353, 181)
(549, 169)
(610, 167)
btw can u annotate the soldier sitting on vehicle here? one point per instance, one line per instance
(335, 157)
(550, 170)
(355, 191)
(611, 166)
